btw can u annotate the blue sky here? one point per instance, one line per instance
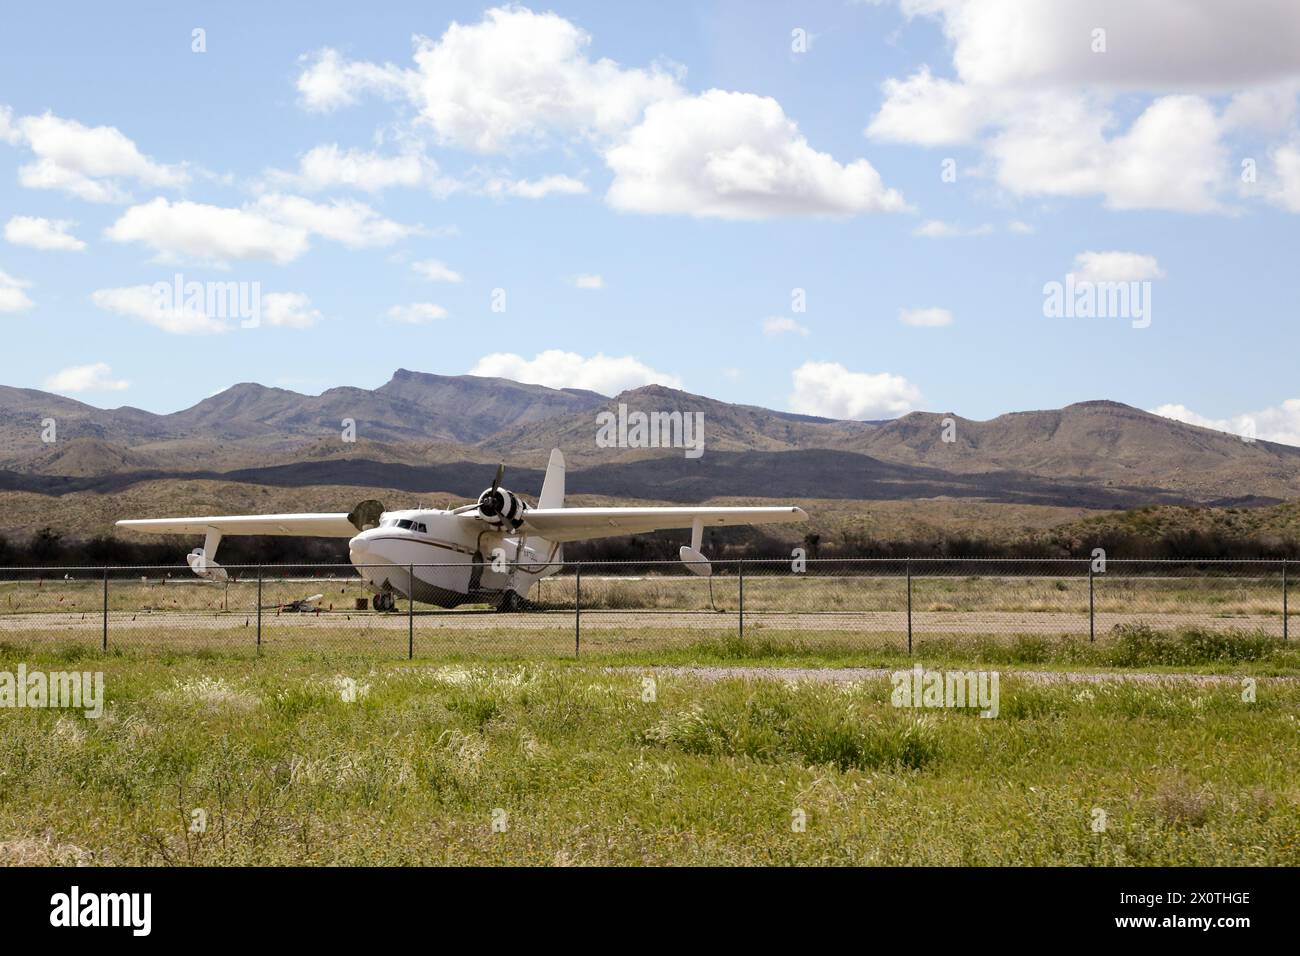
(695, 161)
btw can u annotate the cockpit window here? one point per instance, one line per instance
(405, 523)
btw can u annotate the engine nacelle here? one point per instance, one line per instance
(502, 507)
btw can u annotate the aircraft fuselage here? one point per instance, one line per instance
(436, 557)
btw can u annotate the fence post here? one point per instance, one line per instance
(105, 643)
(741, 582)
(1092, 615)
(259, 608)
(410, 618)
(909, 606)
(577, 611)
(1286, 631)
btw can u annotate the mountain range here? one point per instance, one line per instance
(434, 433)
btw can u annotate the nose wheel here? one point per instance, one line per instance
(385, 601)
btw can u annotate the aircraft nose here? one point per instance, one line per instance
(360, 549)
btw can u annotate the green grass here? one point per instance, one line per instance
(587, 771)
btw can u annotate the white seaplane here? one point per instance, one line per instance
(490, 552)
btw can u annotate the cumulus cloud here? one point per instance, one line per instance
(1277, 423)
(13, 298)
(38, 233)
(736, 156)
(203, 231)
(781, 325)
(8, 131)
(1155, 44)
(291, 310)
(1032, 91)
(96, 377)
(937, 229)
(140, 302)
(514, 77)
(435, 270)
(830, 390)
(1116, 267)
(328, 81)
(554, 368)
(925, 318)
(417, 313)
(92, 163)
(589, 282)
(346, 221)
(1286, 166)
(927, 111)
(329, 167)
(536, 188)
(276, 228)
(518, 78)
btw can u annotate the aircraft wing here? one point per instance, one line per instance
(576, 524)
(322, 525)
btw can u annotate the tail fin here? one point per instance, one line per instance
(552, 495)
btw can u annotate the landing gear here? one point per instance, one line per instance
(511, 601)
(385, 601)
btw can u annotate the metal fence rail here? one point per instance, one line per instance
(592, 607)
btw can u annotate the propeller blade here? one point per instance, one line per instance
(501, 470)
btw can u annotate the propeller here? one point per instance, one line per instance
(492, 502)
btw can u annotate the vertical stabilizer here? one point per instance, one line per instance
(552, 495)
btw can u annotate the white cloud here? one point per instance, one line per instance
(1020, 228)
(927, 111)
(1278, 423)
(554, 368)
(209, 232)
(519, 78)
(1032, 93)
(925, 318)
(85, 378)
(736, 156)
(514, 77)
(536, 188)
(87, 162)
(140, 302)
(589, 282)
(435, 270)
(417, 313)
(780, 325)
(289, 310)
(937, 229)
(328, 167)
(12, 296)
(1172, 156)
(1154, 44)
(48, 234)
(276, 228)
(1116, 267)
(830, 390)
(328, 82)
(8, 131)
(352, 223)
(1286, 167)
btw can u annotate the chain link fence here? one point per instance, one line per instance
(593, 608)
